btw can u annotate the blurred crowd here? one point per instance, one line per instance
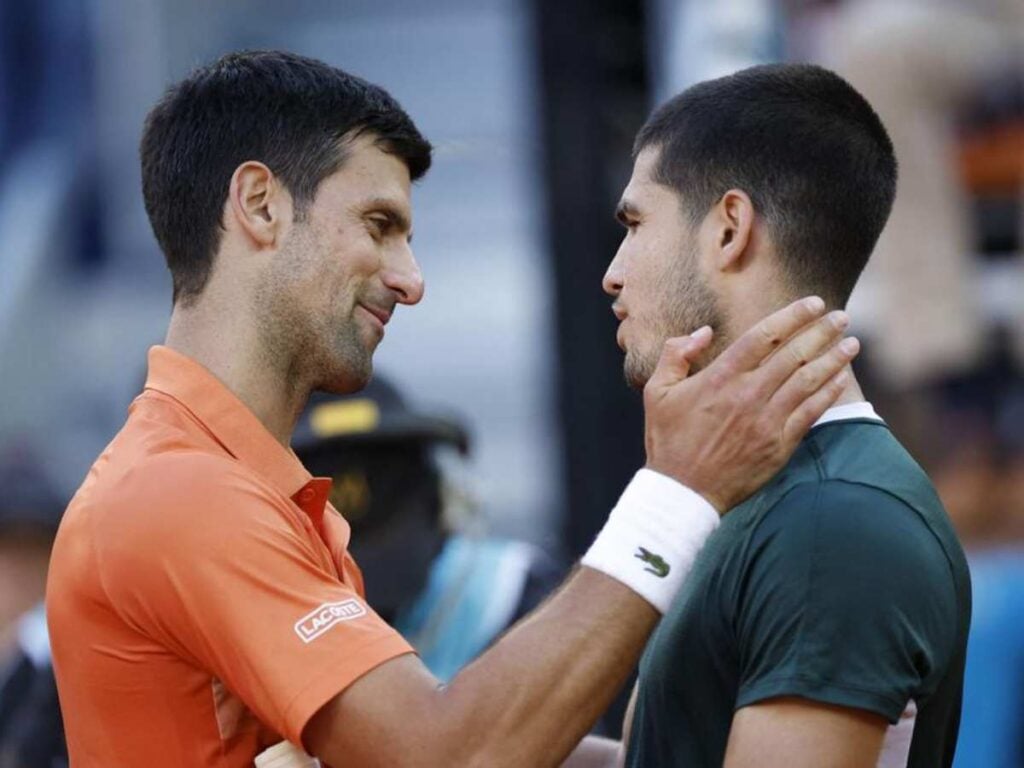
(942, 304)
(940, 310)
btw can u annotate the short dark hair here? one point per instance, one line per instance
(290, 112)
(806, 147)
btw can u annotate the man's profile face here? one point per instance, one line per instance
(343, 266)
(655, 277)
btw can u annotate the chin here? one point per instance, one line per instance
(637, 372)
(346, 386)
(635, 382)
(346, 377)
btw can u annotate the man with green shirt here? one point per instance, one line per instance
(825, 622)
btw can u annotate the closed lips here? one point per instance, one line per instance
(381, 314)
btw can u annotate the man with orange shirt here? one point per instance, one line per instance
(201, 601)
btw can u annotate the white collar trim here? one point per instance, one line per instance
(861, 410)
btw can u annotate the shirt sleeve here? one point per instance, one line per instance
(229, 578)
(847, 599)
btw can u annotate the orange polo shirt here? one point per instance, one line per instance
(201, 602)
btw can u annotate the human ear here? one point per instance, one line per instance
(732, 222)
(257, 203)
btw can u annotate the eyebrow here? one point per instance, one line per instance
(625, 210)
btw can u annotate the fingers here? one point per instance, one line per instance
(677, 355)
(811, 409)
(750, 349)
(800, 393)
(801, 349)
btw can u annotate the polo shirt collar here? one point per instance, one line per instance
(226, 417)
(858, 410)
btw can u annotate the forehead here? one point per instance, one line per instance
(367, 173)
(643, 191)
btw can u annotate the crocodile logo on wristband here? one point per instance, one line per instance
(655, 563)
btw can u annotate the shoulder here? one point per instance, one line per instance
(191, 521)
(848, 581)
(854, 522)
(848, 549)
(184, 501)
(848, 555)
(184, 481)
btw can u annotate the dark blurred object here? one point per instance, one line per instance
(28, 501)
(30, 511)
(377, 415)
(991, 160)
(31, 730)
(47, 84)
(594, 98)
(428, 565)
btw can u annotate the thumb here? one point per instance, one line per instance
(677, 355)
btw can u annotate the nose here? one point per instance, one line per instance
(404, 278)
(614, 277)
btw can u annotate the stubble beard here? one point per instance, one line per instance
(314, 350)
(340, 360)
(348, 365)
(684, 304)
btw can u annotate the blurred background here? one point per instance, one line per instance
(532, 107)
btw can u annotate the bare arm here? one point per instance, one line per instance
(532, 697)
(599, 752)
(797, 733)
(596, 752)
(526, 701)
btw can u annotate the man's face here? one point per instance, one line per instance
(655, 277)
(330, 290)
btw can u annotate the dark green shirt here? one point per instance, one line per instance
(841, 581)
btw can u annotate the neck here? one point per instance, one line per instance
(852, 393)
(226, 342)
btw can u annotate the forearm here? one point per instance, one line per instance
(596, 752)
(528, 700)
(533, 696)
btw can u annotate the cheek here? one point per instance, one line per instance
(644, 281)
(354, 259)
(323, 294)
(343, 267)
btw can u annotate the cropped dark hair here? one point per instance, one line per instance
(289, 112)
(806, 147)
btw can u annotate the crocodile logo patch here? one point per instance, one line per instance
(655, 563)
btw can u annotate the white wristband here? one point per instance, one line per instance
(652, 537)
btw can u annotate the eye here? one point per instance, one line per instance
(380, 225)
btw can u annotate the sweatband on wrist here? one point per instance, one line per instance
(652, 537)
